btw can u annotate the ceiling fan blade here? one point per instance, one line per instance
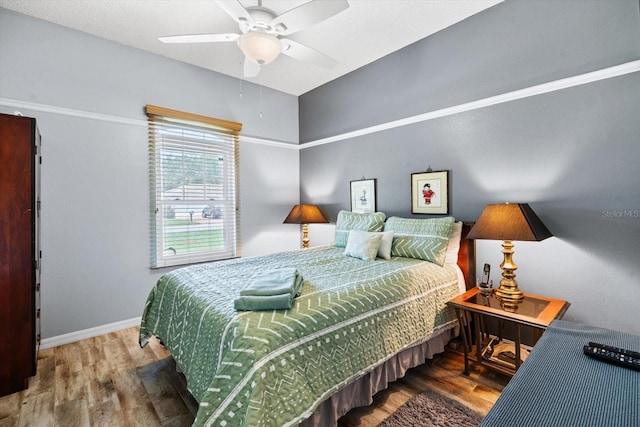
(200, 38)
(307, 15)
(304, 53)
(235, 10)
(251, 69)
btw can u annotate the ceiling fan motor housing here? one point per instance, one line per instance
(262, 18)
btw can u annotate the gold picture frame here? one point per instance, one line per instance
(430, 192)
(363, 196)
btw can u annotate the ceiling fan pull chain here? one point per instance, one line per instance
(240, 80)
(260, 86)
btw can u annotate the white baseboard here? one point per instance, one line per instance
(88, 333)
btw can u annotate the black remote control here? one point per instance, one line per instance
(613, 357)
(615, 349)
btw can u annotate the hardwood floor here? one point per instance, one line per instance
(110, 381)
(478, 391)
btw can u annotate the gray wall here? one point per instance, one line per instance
(88, 96)
(572, 154)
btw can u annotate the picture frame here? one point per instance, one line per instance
(363, 195)
(430, 192)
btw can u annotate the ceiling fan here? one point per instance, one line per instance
(262, 30)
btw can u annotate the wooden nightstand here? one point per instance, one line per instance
(478, 312)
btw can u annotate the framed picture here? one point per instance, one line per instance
(363, 196)
(430, 192)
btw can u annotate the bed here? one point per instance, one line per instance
(357, 324)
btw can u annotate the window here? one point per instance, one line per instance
(193, 183)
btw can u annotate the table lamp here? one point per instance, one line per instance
(305, 215)
(508, 222)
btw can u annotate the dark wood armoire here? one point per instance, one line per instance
(19, 251)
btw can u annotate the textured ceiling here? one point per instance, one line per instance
(366, 31)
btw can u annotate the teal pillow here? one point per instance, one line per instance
(425, 239)
(348, 221)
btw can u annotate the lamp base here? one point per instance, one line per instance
(305, 236)
(508, 293)
(510, 298)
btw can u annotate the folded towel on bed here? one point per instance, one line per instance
(270, 290)
(266, 302)
(274, 282)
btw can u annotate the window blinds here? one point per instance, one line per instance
(193, 165)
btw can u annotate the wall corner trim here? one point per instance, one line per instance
(70, 112)
(581, 79)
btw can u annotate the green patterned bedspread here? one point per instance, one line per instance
(273, 368)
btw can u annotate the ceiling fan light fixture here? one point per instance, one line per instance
(259, 47)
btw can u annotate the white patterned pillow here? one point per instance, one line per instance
(384, 251)
(363, 245)
(453, 247)
(348, 221)
(425, 239)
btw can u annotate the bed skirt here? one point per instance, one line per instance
(361, 391)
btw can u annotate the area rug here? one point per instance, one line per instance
(431, 409)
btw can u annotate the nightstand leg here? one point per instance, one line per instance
(537, 333)
(517, 337)
(477, 318)
(464, 330)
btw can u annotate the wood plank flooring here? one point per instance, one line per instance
(110, 381)
(478, 391)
